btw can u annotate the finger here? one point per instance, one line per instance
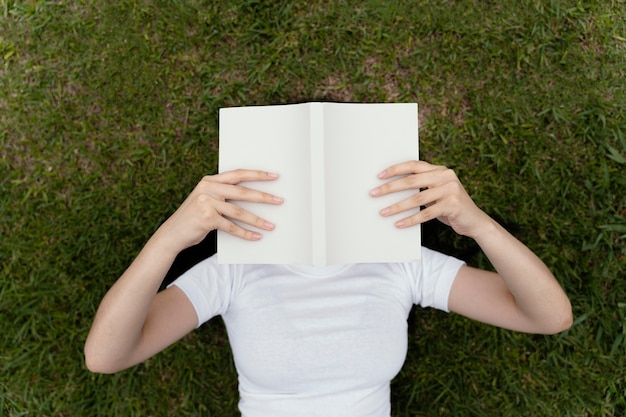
(227, 226)
(424, 215)
(240, 193)
(223, 191)
(426, 179)
(236, 212)
(408, 167)
(411, 182)
(423, 198)
(242, 175)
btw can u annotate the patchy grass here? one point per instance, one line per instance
(108, 117)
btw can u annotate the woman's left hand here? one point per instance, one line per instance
(523, 295)
(441, 194)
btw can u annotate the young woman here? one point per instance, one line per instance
(324, 341)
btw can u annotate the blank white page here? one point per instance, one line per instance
(361, 141)
(275, 139)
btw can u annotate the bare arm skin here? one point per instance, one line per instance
(134, 322)
(523, 295)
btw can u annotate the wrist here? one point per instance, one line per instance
(164, 244)
(487, 229)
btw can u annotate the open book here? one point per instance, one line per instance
(328, 156)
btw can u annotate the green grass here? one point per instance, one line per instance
(108, 117)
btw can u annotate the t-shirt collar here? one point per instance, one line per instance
(317, 271)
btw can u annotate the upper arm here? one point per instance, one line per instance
(171, 316)
(483, 296)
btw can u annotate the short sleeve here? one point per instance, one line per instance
(434, 277)
(210, 288)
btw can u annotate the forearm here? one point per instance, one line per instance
(119, 321)
(537, 294)
(132, 322)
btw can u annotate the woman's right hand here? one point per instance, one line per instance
(212, 205)
(135, 320)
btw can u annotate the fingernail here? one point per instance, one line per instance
(272, 175)
(385, 211)
(375, 191)
(277, 200)
(268, 225)
(382, 174)
(256, 236)
(400, 223)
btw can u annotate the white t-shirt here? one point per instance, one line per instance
(318, 341)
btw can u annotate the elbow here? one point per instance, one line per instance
(100, 367)
(97, 366)
(567, 320)
(561, 320)
(97, 362)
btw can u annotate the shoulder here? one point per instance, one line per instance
(432, 277)
(432, 265)
(210, 286)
